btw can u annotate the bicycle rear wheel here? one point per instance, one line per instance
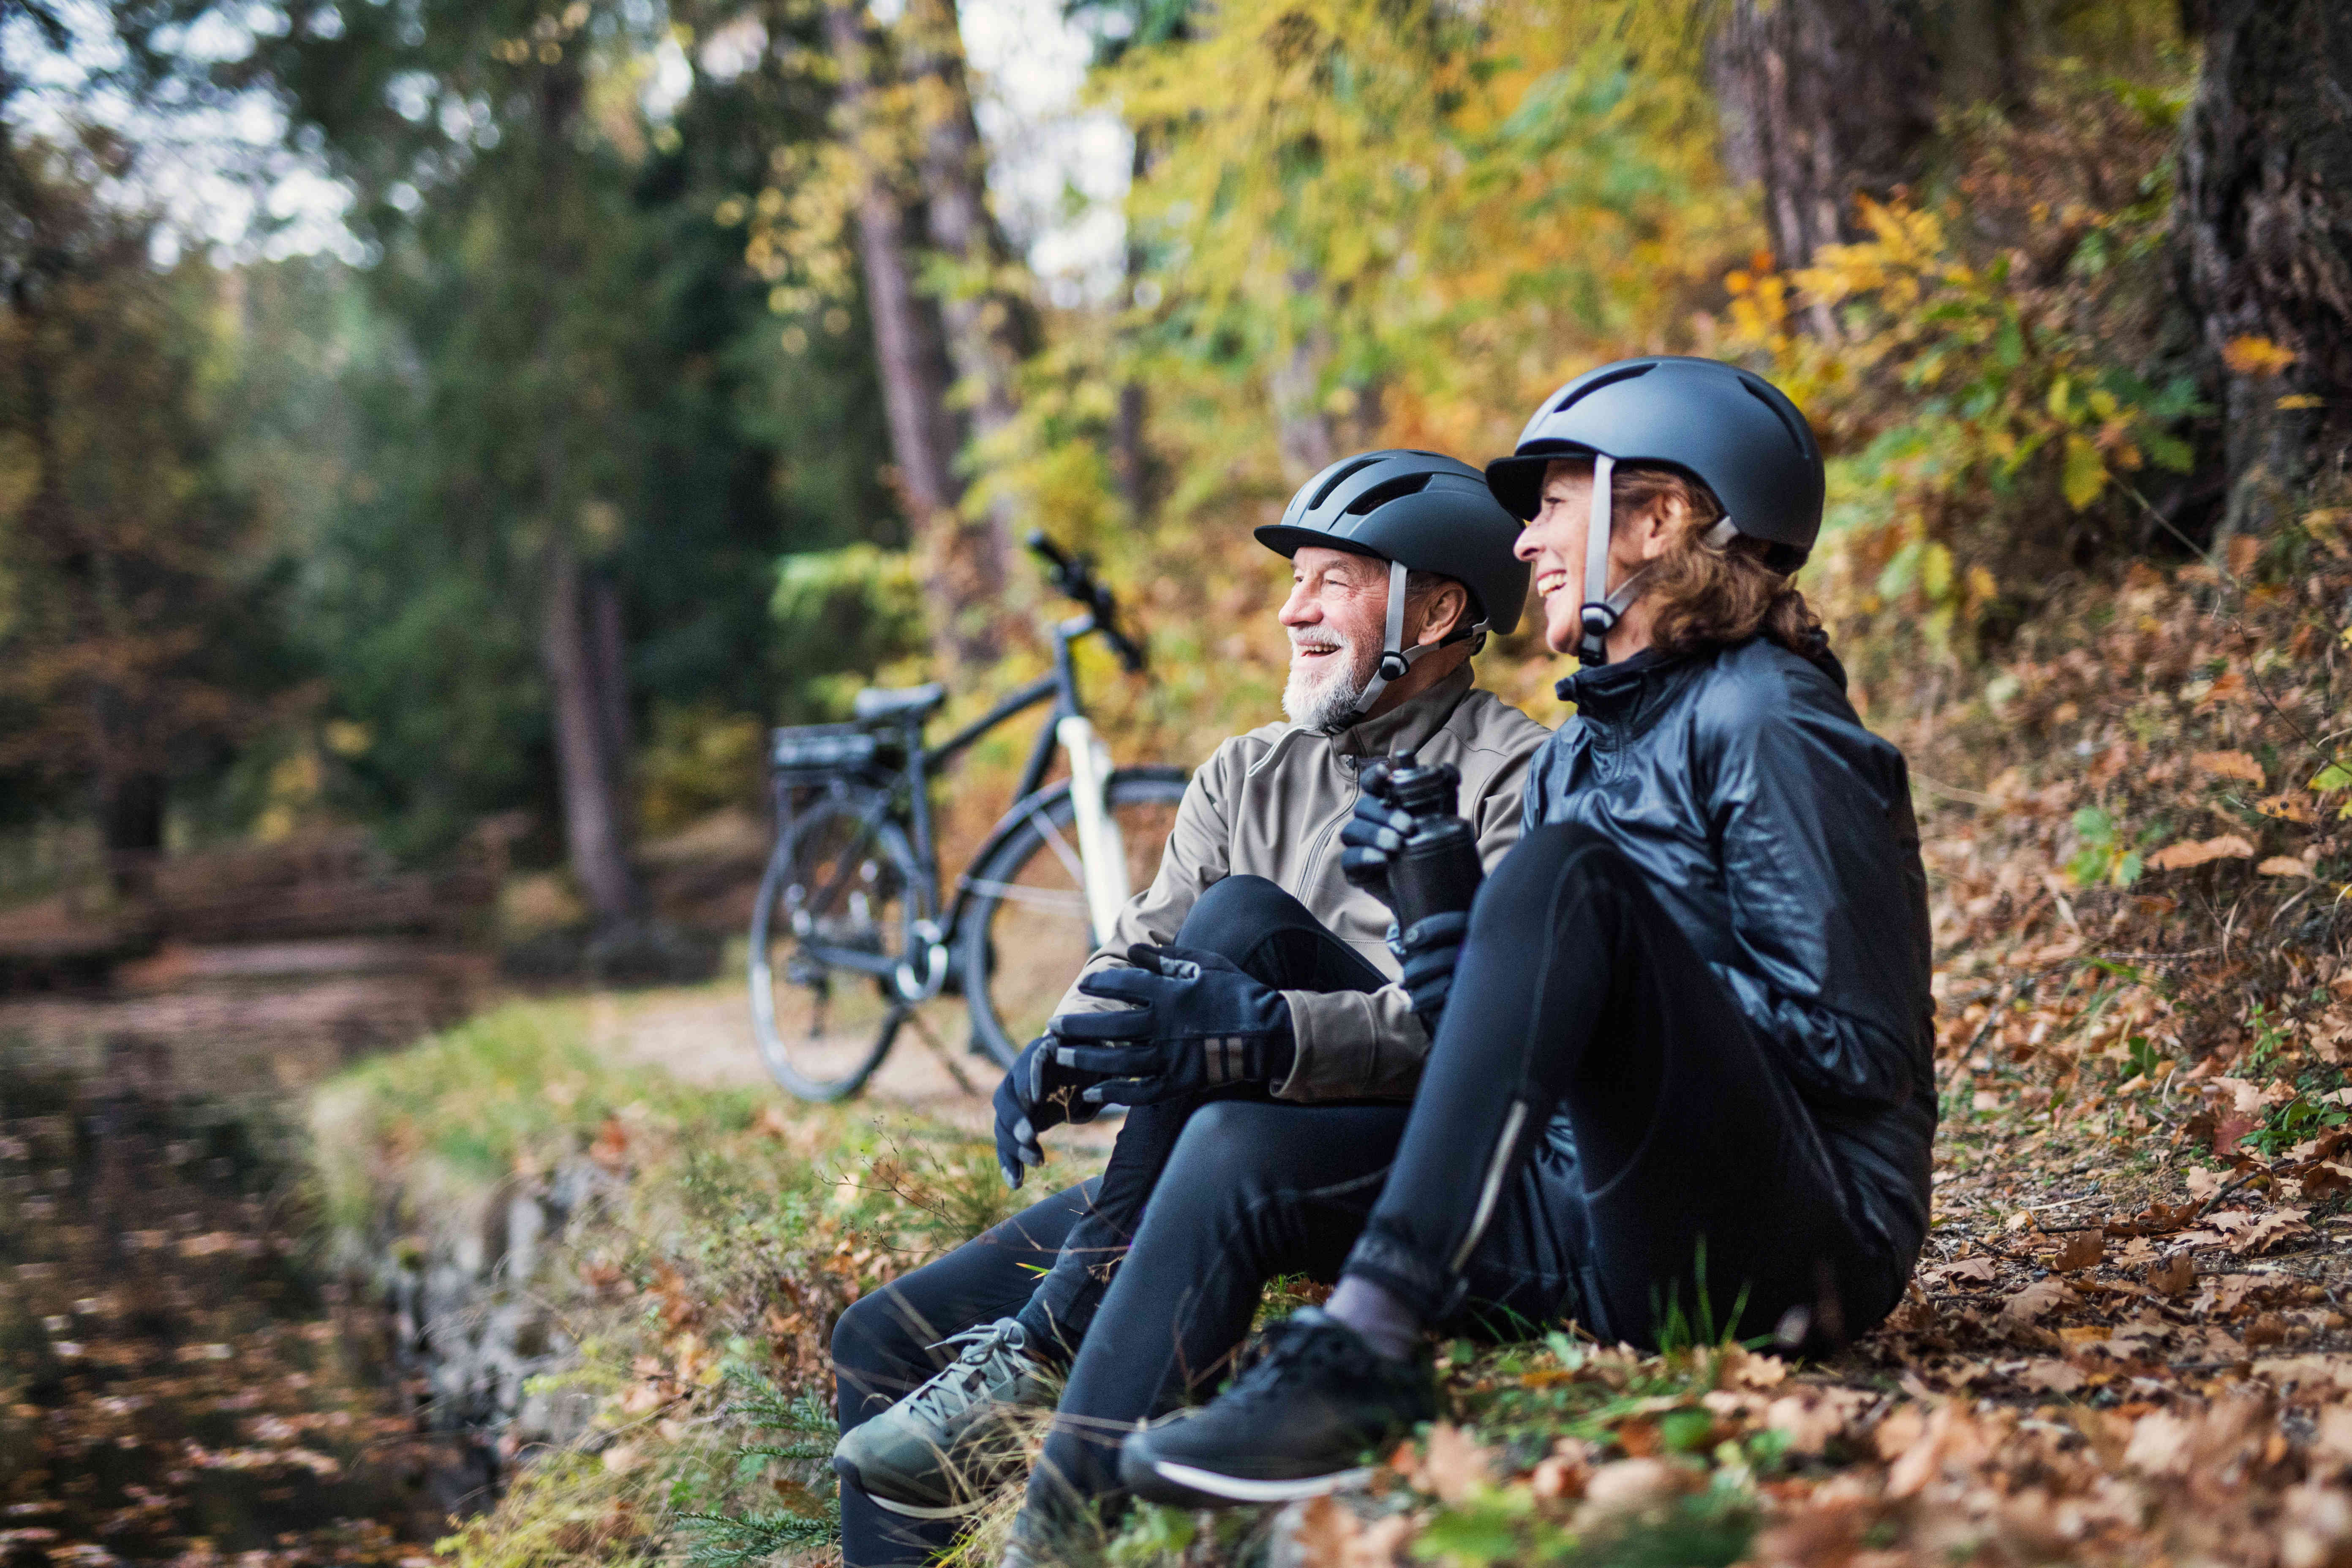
(842, 890)
(1026, 930)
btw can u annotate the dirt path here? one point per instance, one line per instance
(702, 1035)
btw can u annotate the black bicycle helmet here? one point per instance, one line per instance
(1419, 512)
(1727, 427)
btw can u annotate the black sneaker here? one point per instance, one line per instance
(1312, 1415)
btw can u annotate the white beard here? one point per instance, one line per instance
(1324, 700)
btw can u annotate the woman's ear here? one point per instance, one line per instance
(1658, 526)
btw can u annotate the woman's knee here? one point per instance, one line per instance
(1528, 885)
(1226, 1144)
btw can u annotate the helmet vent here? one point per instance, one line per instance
(1625, 372)
(1381, 494)
(1796, 437)
(1338, 477)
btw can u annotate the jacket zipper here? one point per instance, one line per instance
(1323, 839)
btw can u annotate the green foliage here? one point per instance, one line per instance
(840, 615)
(2107, 856)
(558, 345)
(729, 1538)
(140, 630)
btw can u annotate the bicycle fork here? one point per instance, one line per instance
(1102, 851)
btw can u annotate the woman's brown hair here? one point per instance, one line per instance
(1702, 595)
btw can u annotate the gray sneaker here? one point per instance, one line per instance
(941, 1450)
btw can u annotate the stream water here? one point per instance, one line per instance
(179, 1377)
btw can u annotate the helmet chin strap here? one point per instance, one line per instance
(1602, 609)
(1395, 658)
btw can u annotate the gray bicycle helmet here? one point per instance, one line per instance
(1729, 428)
(1419, 512)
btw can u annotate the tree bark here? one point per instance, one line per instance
(579, 645)
(991, 328)
(927, 432)
(2262, 240)
(593, 809)
(1821, 100)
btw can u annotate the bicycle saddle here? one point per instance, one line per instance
(907, 702)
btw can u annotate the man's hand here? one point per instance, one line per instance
(1430, 952)
(1197, 1023)
(1035, 1096)
(1374, 834)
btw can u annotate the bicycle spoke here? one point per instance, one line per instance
(1037, 898)
(939, 1048)
(1060, 847)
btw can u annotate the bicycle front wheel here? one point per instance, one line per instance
(1027, 933)
(836, 918)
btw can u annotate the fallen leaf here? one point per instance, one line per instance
(2042, 1297)
(2257, 356)
(2177, 1276)
(1965, 1274)
(2181, 856)
(2159, 1444)
(1456, 1465)
(2287, 808)
(2284, 866)
(2081, 1249)
(1626, 1486)
(2052, 1375)
(2229, 766)
(2251, 1232)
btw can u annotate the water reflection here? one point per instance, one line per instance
(177, 1379)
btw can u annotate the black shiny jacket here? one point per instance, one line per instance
(1779, 833)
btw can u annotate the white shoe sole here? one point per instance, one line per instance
(908, 1511)
(1241, 1489)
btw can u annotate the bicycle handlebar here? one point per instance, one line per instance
(1075, 577)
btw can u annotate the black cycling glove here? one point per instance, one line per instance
(1374, 833)
(1199, 1022)
(1428, 952)
(1035, 1096)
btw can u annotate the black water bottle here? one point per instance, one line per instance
(1438, 870)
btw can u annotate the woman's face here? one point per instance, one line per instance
(1553, 545)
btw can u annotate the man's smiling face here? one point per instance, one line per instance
(1336, 614)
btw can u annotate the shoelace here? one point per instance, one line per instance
(962, 1382)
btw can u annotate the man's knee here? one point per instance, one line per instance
(1234, 917)
(874, 1356)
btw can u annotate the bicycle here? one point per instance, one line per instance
(849, 911)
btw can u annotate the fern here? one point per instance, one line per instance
(733, 1539)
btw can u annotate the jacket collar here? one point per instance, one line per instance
(1618, 701)
(1408, 726)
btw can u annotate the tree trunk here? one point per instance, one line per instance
(1821, 101)
(1130, 457)
(910, 351)
(609, 670)
(991, 328)
(593, 809)
(2263, 241)
(580, 630)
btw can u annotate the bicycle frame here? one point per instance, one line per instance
(1061, 688)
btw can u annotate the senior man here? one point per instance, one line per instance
(1263, 972)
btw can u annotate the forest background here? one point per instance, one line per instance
(680, 367)
(603, 381)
